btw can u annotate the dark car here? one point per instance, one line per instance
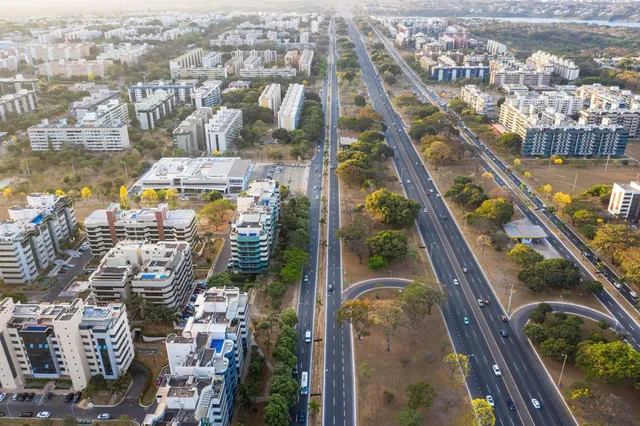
(302, 417)
(68, 398)
(485, 299)
(1, 414)
(511, 405)
(76, 397)
(26, 414)
(503, 318)
(47, 396)
(29, 397)
(503, 332)
(21, 397)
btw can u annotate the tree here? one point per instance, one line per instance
(295, 259)
(284, 355)
(539, 313)
(510, 141)
(149, 196)
(458, 365)
(16, 296)
(351, 173)
(546, 191)
(281, 135)
(357, 312)
(276, 411)
(60, 193)
(377, 262)
(498, 210)
(584, 217)
(420, 395)
(418, 298)
(484, 413)
(561, 200)
(214, 211)
(85, 193)
(524, 255)
(535, 332)
(355, 233)
(275, 290)
(7, 193)
(591, 286)
(611, 362)
(220, 279)
(550, 273)
(123, 192)
(458, 104)
(395, 209)
(613, 237)
(389, 314)
(409, 417)
(440, 152)
(172, 196)
(314, 407)
(605, 409)
(629, 261)
(389, 244)
(285, 387)
(556, 348)
(359, 101)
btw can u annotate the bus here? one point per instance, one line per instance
(304, 383)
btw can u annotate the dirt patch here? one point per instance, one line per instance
(154, 364)
(410, 360)
(262, 153)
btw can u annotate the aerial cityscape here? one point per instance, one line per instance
(350, 213)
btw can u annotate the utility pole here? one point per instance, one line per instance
(510, 296)
(562, 371)
(574, 184)
(606, 166)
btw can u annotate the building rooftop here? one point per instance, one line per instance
(198, 169)
(523, 228)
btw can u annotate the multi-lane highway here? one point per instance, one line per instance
(449, 254)
(338, 406)
(494, 165)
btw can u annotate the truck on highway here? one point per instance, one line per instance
(304, 383)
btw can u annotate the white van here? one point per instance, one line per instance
(307, 336)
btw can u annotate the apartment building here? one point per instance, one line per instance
(18, 83)
(104, 228)
(19, 103)
(267, 55)
(305, 62)
(565, 68)
(30, 240)
(214, 73)
(291, 108)
(126, 53)
(206, 361)
(89, 133)
(79, 68)
(191, 59)
(628, 118)
(211, 60)
(161, 273)
(561, 102)
(480, 102)
(209, 95)
(496, 48)
(91, 103)
(190, 135)
(152, 109)
(254, 229)
(513, 72)
(271, 98)
(252, 63)
(268, 72)
(625, 201)
(183, 89)
(56, 52)
(602, 97)
(315, 27)
(71, 341)
(223, 129)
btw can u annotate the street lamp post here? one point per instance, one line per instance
(510, 296)
(562, 371)
(562, 304)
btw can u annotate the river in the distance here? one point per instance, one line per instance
(557, 20)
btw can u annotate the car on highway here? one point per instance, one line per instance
(431, 191)
(26, 414)
(496, 370)
(536, 403)
(428, 194)
(330, 287)
(503, 318)
(294, 371)
(633, 294)
(43, 415)
(408, 181)
(306, 277)
(456, 282)
(465, 270)
(425, 210)
(158, 381)
(104, 416)
(428, 179)
(437, 195)
(444, 218)
(503, 332)
(307, 336)
(1, 414)
(485, 299)
(480, 303)
(302, 417)
(617, 285)
(317, 197)
(3, 395)
(489, 399)
(465, 320)
(511, 405)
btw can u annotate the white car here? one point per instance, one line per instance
(489, 399)
(496, 370)
(43, 415)
(617, 285)
(431, 190)
(307, 336)
(3, 395)
(633, 294)
(438, 195)
(535, 403)
(424, 210)
(104, 416)
(455, 281)
(429, 179)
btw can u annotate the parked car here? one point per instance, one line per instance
(159, 381)
(29, 397)
(26, 414)
(3, 395)
(68, 398)
(77, 397)
(104, 416)
(43, 415)
(15, 396)
(47, 396)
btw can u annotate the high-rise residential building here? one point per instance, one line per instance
(212, 60)
(182, 89)
(89, 133)
(91, 103)
(305, 62)
(126, 53)
(628, 118)
(161, 273)
(304, 37)
(254, 229)
(291, 108)
(56, 52)
(625, 201)
(71, 341)
(152, 109)
(30, 240)
(18, 103)
(602, 97)
(565, 68)
(252, 63)
(480, 102)
(104, 228)
(197, 175)
(561, 102)
(190, 135)
(513, 72)
(315, 27)
(271, 98)
(223, 129)
(18, 83)
(206, 360)
(79, 68)
(209, 95)
(496, 48)
(267, 72)
(191, 59)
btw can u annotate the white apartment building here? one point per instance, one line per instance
(161, 273)
(190, 135)
(565, 68)
(513, 72)
(561, 102)
(191, 59)
(92, 102)
(268, 72)
(291, 108)
(89, 133)
(212, 60)
(200, 174)
(79, 68)
(603, 97)
(480, 102)
(152, 109)
(628, 118)
(209, 95)
(496, 48)
(223, 129)
(305, 62)
(73, 341)
(19, 103)
(30, 240)
(625, 201)
(126, 53)
(304, 37)
(254, 229)
(56, 52)
(315, 27)
(206, 361)
(252, 63)
(17, 83)
(104, 228)
(267, 55)
(271, 98)
(10, 63)
(182, 89)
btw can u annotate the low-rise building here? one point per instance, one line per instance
(191, 59)
(160, 273)
(222, 129)
(152, 109)
(18, 83)
(71, 341)
(625, 201)
(480, 102)
(602, 97)
(209, 95)
(271, 98)
(19, 103)
(190, 135)
(496, 48)
(561, 102)
(305, 62)
(79, 68)
(291, 108)
(268, 72)
(514, 72)
(104, 228)
(89, 133)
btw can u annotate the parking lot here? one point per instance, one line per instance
(293, 175)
